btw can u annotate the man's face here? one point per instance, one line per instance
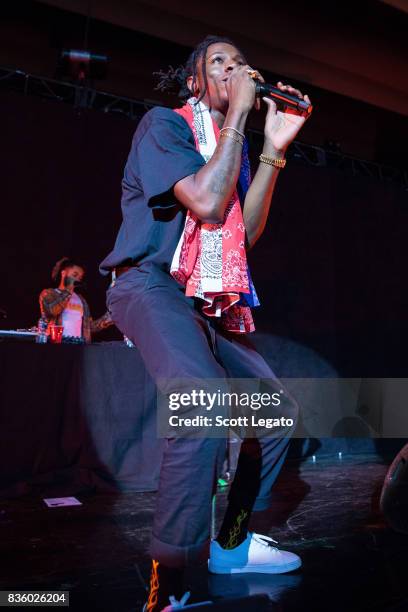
(75, 272)
(221, 60)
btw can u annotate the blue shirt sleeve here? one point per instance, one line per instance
(163, 152)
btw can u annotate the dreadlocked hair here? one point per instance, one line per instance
(174, 80)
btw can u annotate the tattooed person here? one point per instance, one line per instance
(190, 213)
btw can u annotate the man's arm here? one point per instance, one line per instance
(102, 323)
(280, 129)
(53, 302)
(208, 192)
(259, 196)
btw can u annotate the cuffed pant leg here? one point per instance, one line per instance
(175, 343)
(181, 528)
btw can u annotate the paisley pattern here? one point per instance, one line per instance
(210, 259)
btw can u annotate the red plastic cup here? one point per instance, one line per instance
(56, 333)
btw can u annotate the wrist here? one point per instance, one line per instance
(271, 151)
(236, 118)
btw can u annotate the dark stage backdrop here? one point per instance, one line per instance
(330, 269)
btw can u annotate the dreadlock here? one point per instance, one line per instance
(176, 78)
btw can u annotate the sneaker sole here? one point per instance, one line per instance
(254, 569)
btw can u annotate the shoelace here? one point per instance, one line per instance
(263, 540)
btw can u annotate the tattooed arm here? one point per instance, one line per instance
(208, 192)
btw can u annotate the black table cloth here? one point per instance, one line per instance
(78, 417)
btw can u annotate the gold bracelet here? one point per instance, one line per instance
(227, 127)
(232, 135)
(278, 162)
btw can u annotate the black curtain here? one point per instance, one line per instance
(329, 270)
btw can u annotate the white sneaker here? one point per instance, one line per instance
(254, 554)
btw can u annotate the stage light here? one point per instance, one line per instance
(82, 65)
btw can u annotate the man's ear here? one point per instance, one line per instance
(189, 83)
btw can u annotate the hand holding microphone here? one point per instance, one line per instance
(283, 95)
(288, 110)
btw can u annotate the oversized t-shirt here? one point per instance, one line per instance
(163, 152)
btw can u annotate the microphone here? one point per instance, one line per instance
(282, 97)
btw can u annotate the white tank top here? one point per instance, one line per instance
(72, 317)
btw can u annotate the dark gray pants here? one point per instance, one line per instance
(177, 342)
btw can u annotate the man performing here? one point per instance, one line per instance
(182, 293)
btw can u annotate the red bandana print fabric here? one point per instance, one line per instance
(210, 260)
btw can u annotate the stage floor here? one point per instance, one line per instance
(327, 512)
